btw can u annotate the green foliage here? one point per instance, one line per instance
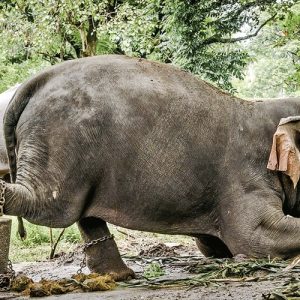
(274, 70)
(135, 28)
(289, 38)
(153, 270)
(40, 235)
(195, 35)
(12, 73)
(105, 45)
(198, 31)
(268, 77)
(36, 236)
(72, 235)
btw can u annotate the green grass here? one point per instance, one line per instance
(37, 247)
(37, 244)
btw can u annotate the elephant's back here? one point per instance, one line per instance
(123, 89)
(116, 77)
(135, 111)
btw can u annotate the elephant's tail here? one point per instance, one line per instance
(12, 115)
(11, 118)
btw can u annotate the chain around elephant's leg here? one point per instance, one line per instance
(104, 257)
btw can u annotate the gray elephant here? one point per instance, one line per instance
(146, 146)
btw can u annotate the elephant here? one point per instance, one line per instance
(147, 146)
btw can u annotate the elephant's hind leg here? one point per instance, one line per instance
(103, 257)
(211, 246)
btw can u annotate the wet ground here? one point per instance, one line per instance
(173, 273)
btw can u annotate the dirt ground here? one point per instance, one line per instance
(175, 278)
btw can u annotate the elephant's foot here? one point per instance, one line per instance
(118, 273)
(241, 257)
(103, 257)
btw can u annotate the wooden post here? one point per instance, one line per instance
(5, 229)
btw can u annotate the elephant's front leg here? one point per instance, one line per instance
(258, 227)
(277, 235)
(103, 257)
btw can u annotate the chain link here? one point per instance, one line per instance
(2, 196)
(7, 278)
(88, 245)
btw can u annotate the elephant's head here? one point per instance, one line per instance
(285, 157)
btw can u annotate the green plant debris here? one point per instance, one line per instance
(226, 268)
(215, 271)
(153, 270)
(289, 291)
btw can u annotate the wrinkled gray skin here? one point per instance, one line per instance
(5, 98)
(146, 146)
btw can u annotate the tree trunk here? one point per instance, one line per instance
(90, 38)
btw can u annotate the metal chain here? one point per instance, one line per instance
(7, 278)
(2, 196)
(87, 245)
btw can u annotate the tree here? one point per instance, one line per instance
(56, 30)
(204, 34)
(288, 38)
(274, 70)
(199, 36)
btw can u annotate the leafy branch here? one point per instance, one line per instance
(215, 39)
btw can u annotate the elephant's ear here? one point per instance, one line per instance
(285, 155)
